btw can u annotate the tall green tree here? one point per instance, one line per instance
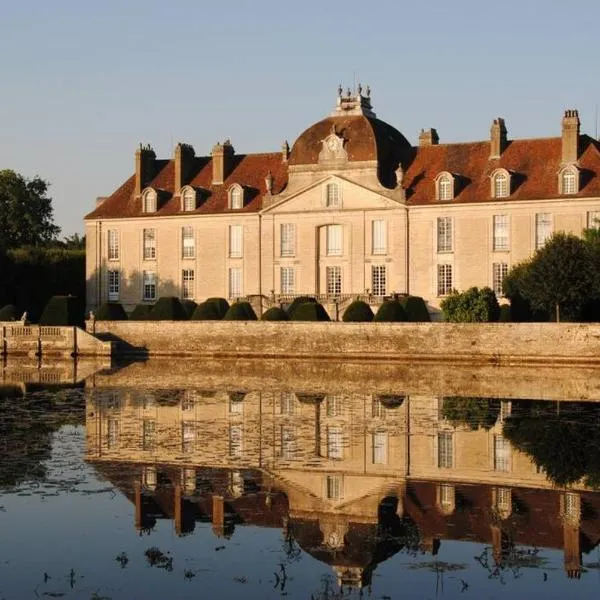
(26, 214)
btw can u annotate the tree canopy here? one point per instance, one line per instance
(26, 214)
(473, 306)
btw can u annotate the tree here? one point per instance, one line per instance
(26, 214)
(473, 306)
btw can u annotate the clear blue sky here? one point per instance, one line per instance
(82, 83)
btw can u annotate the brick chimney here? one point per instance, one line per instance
(184, 158)
(144, 167)
(570, 137)
(429, 137)
(222, 160)
(498, 138)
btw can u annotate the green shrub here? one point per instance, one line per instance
(189, 306)
(9, 313)
(168, 308)
(358, 312)
(141, 313)
(391, 311)
(111, 311)
(473, 306)
(309, 311)
(62, 310)
(416, 309)
(275, 314)
(504, 316)
(213, 309)
(296, 302)
(240, 311)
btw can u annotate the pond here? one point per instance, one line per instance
(312, 480)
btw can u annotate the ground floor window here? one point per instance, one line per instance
(235, 282)
(114, 281)
(500, 270)
(288, 280)
(444, 280)
(378, 280)
(149, 287)
(334, 281)
(187, 283)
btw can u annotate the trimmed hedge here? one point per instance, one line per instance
(141, 313)
(275, 314)
(63, 310)
(111, 311)
(296, 302)
(310, 311)
(504, 316)
(9, 313)
(416, 309)
(168, 308)
(391, 311)
(358, 312)
(240, 311)
(189, 306)
(213, 309)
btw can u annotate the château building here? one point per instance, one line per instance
(352, 209)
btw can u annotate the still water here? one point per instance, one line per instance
(180, 479)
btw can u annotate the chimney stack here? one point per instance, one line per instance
(429, 137)
(498, 138)
(144, 167)
(222, 160)
(570, 137)
(184, 158)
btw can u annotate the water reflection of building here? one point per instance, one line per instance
(353, 478)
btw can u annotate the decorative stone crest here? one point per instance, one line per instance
(333, 148)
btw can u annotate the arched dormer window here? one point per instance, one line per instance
(444, 186)
(236, 197)
(188, 199)
(149, 201)
(568, 180)
(500, 183)
(332, 195)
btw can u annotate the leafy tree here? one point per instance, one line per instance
(473, 306)
(26, 214)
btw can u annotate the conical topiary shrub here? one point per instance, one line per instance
(168, 308)
(390, 311)
(213, 309)
(189, 306)
(9, 313)
(141, 313)
(416, 309)
(296, 302)
(275, 314)
(240, 311)
(62, 310)
(310, 311)
(358, 312)
(111, 311)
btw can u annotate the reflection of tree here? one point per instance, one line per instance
(562, 439)
(475, 413)
(512, 561)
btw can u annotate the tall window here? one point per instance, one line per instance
(501, 454)
(447, 495)
(149, 201)
(235, 441)
(379, 237)
(444, 280)
(593, 219)
(288, 442)
(235, 241)
(569, 182)
(112, 434)
(114, 282)
(288, 280)
(287, 403)
(149, 285)
(288, 239)
(377, 409)
(543, 229)
(188, 436)
(236, 198)
(187, 284)
(445, 191)
(113, 244)
(334, 240)
(334, 406)
(380, 443)
(504, 500)
(501, 185)
(189, 199)
(445, 451)
(332, 195)
(149, 244)
(148, 434)
(334, 280)
(378, 280)
(188, 246)
(335, 445)
(235, 282)
(501, 239)
(334, 487)
(500, 270)
(444, 234)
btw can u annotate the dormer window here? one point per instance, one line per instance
(188, 199)
(500, 183)
(568, 180)
(444, 185)
(236, 197)
(149, 204)
(332, 195)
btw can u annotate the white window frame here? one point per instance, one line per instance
(378, 237)
(148, 434)
(333, 276)
(333, 195)
(113, 244)
(334, 487)
(287, 403)
(149, 286)
(593, 219)
(288, 441)
(112, 433)
(543, 229)
(445, 187)
(236, 241)
(445, 450)
(334, 240)
(149, 244)
(236, 197)
(188, 242)
(501, 232)
(114, 285)
(569, 181)
(334, 405)
(335, 443)
(379, 280)
(445, 279)
(380, 448)
(188, 199)
(187, 284)
(445, 230)
(499, 273)
(149, 201)
(287, 232)
(502, 454)
(287, 276)
(236, 440)
(188, 436)
(500, 184)
(235, 282)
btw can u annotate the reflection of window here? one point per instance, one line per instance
(378, 280)
(112, 437)
(447, 497)
(445, 451)
(236, 405)
(288, 277)
(288, 442)
(149, 478)
(505, 410)
(335, 489)
(334, 240)
(235, 441)
(501, 232)
(378, 410)
(288, 239)
(379, 237)
(113, 244)
(287, 403)
(334, 280)
(572, 505)
(380, 442)
(334, 406)
(504, 500)
(335, 446)
(188, 480)
(148, 434)
(501, 454)
(114, 281)
(188, 436)
(188, 400)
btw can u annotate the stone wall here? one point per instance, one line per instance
(498, 343)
